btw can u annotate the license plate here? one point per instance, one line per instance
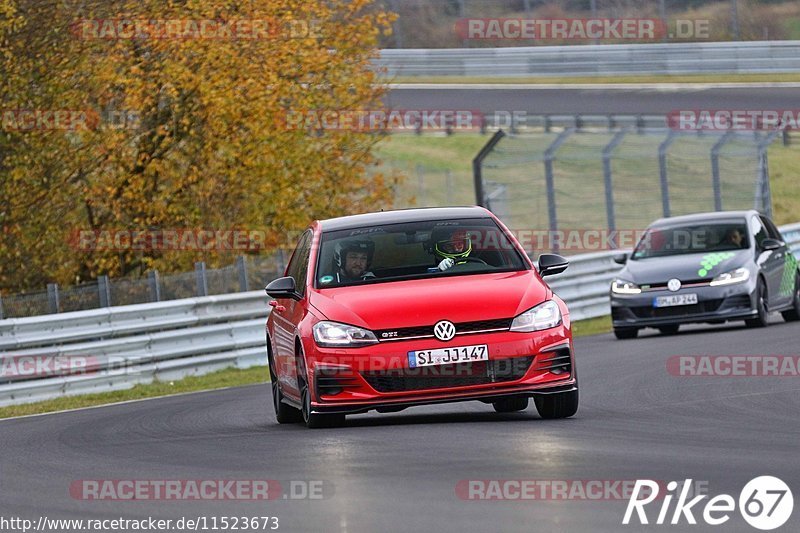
(447, 356)
(675, 299)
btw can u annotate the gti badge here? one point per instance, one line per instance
(444, 330)
(674, 284)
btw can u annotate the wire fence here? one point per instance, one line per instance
(248, 273)
(579, 176)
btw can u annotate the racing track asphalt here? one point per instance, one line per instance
(398, 472)
(600, 100)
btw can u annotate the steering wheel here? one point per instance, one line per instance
(472, 260)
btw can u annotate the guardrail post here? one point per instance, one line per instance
(786, 140)
(2, 315)
(548, 123)
(241, 268)
(200, 278)
(104, 290)
(155, 286)
(52, 298)
(662, 171)
(715, 180)
(549, 156)
(607, 150)
(477, 165)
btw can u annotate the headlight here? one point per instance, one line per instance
(728, 278)
(543, 316)
(620, 286)
(335, 335)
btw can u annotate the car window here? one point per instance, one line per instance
(772, 231)
(758, 231)
(414, 250)
(693, 238)
(298, 265)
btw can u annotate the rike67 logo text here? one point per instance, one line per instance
(765, 503)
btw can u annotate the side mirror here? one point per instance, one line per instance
(621, 259)
(771, 244)
(550, 264)
(283, 288)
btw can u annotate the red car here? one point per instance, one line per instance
(390, 310)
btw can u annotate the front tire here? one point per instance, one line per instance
(284, 414)
(626, 333)
(762, 319)
(793, 314)
(560, 405)
(511, 405)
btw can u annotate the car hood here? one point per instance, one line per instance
(422, 302)
(685, 267)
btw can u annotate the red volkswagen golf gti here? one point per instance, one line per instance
(395, 309)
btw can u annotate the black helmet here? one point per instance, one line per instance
(347, 245)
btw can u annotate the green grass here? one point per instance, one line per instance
(229, 377)
(688, 78)
(579, 163)
(591, 326)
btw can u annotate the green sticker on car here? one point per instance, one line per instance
(709, 261)
(789, 275)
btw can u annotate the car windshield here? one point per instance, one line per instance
(395, 252)
(692, 239)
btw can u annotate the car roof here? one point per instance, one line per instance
(703, 217)
(403, 215)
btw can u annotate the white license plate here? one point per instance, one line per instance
(675, 299)
(447, 356)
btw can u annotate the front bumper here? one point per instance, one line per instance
(714, 304)
(378, 377)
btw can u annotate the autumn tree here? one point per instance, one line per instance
(184, 126)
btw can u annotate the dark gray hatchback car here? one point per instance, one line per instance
(709, 267)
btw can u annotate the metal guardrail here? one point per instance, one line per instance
(596, 60)
(164, 341)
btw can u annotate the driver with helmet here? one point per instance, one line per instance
(353, 259)
(451, 247)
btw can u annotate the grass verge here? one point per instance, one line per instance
(229, 377)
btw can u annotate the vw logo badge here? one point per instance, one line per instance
(444, 330)
(674, 284)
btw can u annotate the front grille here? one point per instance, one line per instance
(427, 331)
(646, 311)
(558, 362)
(684, 283)
(332, 381)
(447, 376)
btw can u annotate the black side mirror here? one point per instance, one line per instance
(550, 264)
(283, 288)
(621, 259)
(771, 244)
